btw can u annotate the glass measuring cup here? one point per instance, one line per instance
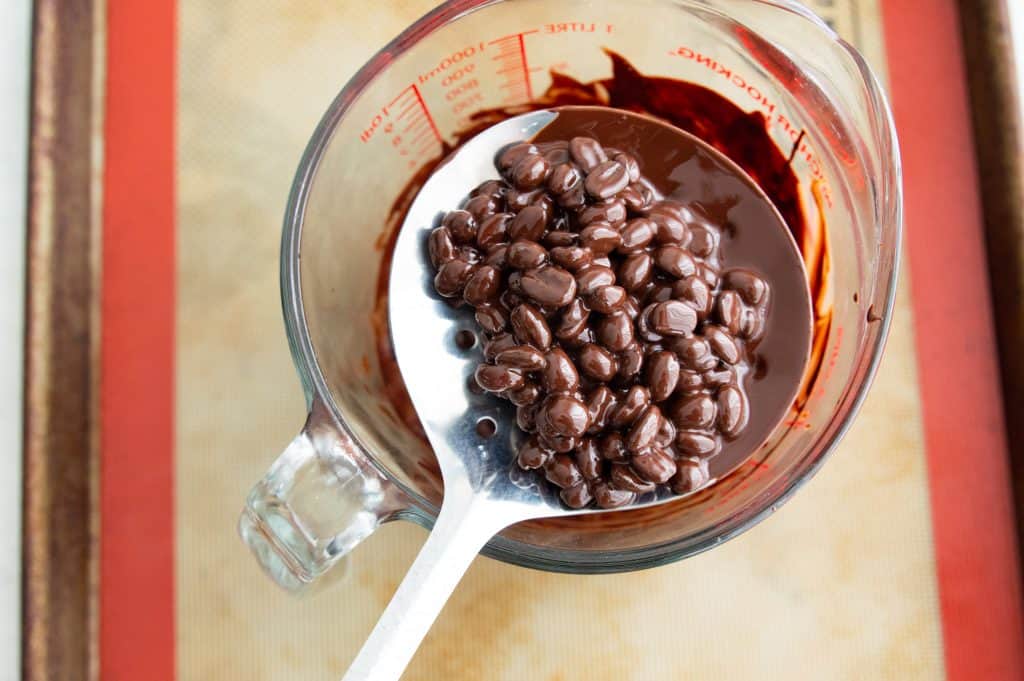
(356, 464)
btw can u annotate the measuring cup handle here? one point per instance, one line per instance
(319, 499)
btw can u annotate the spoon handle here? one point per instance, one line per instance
(463, 526)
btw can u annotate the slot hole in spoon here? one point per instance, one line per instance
(486, 428)
(465, 339)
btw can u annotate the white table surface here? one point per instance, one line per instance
(15, 22)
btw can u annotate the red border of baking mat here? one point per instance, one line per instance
(137, 386)
(972, 523)
(965, 438)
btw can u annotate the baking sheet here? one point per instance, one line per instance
(840, 584)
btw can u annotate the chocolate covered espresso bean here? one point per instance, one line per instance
(636, 235)
(529, 223)
(461, 225)
(562, 415)
(587, 153)
(532, 455)
(560, 373)
(560, 238)
(588, 460)
(591, 278)
(478, 208)
(530, 326)
(522, 357)
(498, 342)
(452, 276)
(482, 288)
(564, 178)
(607, 497)
(635, 271)
(496, 379)
(513, 154)
(655, 465)
(690, 476)
(491, 318)
(577, 496)
(675, 261)
(549, 286)
(630, 164)
(597, 363)
(600, 237)
(615, 331)
(562, 471)
(644, 430)
(695, 412)
(612, 212)
(525, 255)
(440, 246)
(673, 318)
(530, 172)
(662, 374)
(493, 231)
(607, 299)
(572, 258)
(606, 180)
(599, 405)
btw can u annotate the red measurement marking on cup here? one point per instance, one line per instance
(406, 124)
(458, 75)
(513, 67)
(458, 84)
(414, 110)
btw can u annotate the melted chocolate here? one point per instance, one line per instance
(739, 135)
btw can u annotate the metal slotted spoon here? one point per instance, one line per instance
(484, 491)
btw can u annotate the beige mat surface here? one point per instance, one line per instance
(839, 584)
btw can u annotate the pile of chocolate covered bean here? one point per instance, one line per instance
(608, 320)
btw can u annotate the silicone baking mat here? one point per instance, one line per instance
(896, 562)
